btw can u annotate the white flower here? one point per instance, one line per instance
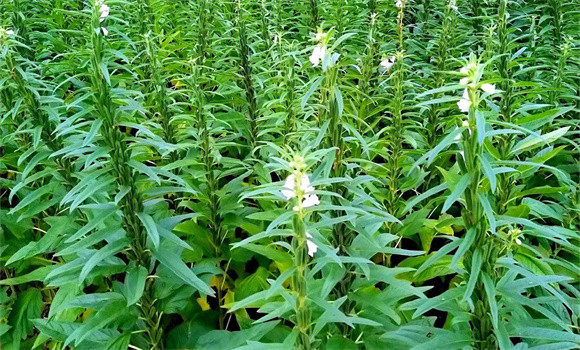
(399, 4)
(489, 88)
(312, 247)
(465, 94)
(320, 36)
(104, 10)
(464, 81)
(465, 124)
(458, 137)
(297, 163)
(317, 55)
(4, 32)
(466, 69)
(288, 190)
(464, 103)
(518, 241)
(105, 31)
(276, 39)
(310, 201)
(388, 63)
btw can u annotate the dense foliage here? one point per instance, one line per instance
(321, 174)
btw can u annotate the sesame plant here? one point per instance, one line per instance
(313, 174)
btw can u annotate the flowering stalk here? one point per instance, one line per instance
(506, 85)
(426, 10)
(33, 106)
(563, 57)
(313, 19)
(372, 6)
(264, 27)
(145, 16)
(298, 185)
(533, 41)
(368, 65)
(211, 183)
(556, 11)
(144, 21)
(400, 4)
(19, 20)
(159, 91)
(395, 139)
(197, 67)
(247, 80)
(504, 61)
(331, 111)
(203, 33)
(444, 42)
(476, 11)
(131, 204)
(339, 16)
(474, 217)
(289, 82)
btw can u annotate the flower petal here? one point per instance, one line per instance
(489, 88)
(288, 190)
(310, 201)
(312, 247)
(304, 182)
(464, 105)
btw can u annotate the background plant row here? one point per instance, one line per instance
(145, 145)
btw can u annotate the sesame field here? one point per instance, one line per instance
(289, 174)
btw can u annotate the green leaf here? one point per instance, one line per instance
(546, 334)
(102, 254)
(466, 242)
(37, 275)
(315, 84)
(487, 210)
(135, 284)
(488, 172)
(411, 203)
(28, 306)
(96, 322)
(174, 263)
(338, 342)
(474, 273)
(534, 141)
(456, 193)
(150, 227)
(34, 196)
(436, 267)
(92, 224)
(490, 293)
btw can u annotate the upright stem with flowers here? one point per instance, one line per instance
(131, 203)
(297, 186)
(481, 254)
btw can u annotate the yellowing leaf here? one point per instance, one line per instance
(203, 304)
(177, 83)
(446, 230)
(216, 281)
